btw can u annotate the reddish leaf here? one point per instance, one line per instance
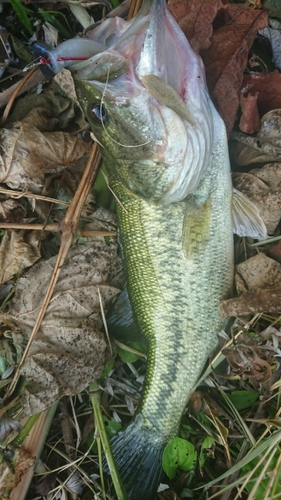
(226, 59)
(225, 52)
(250, 120)
(275, 251)
(268, 87)
(195, 18)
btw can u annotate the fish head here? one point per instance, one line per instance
(146, 100)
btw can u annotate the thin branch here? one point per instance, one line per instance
(16, 93)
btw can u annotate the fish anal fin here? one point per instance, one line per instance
(246, 218)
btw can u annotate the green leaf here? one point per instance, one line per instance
(274, 8)
(107, 370)
(21, 12)
(111, 426)
(130, 353)
(263, 482)
(51, 17)
(21, 50)
(243, 399)
(263, 446)
(102, 191)
(3, 365)
(206, 451)
(178, 454)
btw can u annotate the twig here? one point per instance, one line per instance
(66, 429)
(16, 93)
(27, 194)
(35, 79)
(86, 233)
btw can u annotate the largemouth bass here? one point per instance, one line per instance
(165, 148)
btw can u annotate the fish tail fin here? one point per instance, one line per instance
(137, 454)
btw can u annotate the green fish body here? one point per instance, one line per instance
(165, 148)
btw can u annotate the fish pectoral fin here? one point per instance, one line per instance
(246, 218)
(166, 95)
(196, 228)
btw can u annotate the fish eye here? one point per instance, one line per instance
(96, 112)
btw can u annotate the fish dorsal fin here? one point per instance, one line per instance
(246, 218)
(166, 95)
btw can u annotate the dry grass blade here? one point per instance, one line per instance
(276, 385)
(237, 416)
(26, 194)
(272, 486)
(264, 446)
(219, 356)
(134, 8)
(130, 349)
(258, 479)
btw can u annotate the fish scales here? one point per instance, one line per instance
(174, 295)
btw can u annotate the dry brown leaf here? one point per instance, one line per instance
(245, 359)
(266, 198)
(47, 111)
(22, 461)
(246, 150)
(270, 174)
(11, 211)
(65, 81)
(70, 349)
(260, 300)
(18, 250)
(259, 270)
(258, 283)
(31, 145)
(29, 154)
(264, 147)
